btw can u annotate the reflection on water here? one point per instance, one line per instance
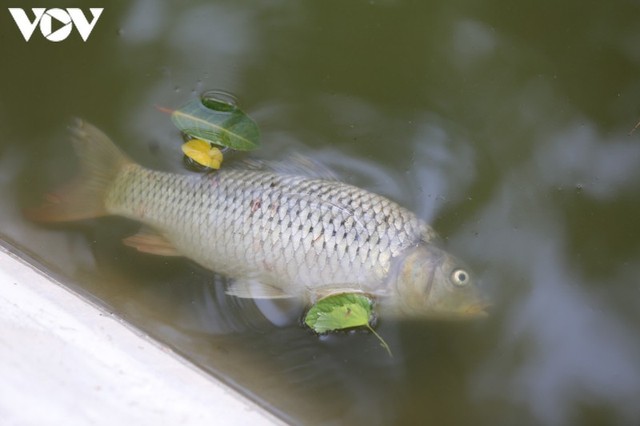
(509, 135)
(563, 344)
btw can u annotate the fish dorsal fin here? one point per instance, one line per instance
(294, 164)
(253, 289)
(152, 242)
(429, 235)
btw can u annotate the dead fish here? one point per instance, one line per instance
(277, 232)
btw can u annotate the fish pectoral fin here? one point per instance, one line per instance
(152, 242)
(253, 289)
(333, 290)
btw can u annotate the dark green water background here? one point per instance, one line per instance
(504, 125)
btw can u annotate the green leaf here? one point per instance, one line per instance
(342, 311)
(217, 122)
(338, 312)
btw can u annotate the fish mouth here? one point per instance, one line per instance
(470, 312)
(478, 310)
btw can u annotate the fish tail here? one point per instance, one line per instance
(84, 197)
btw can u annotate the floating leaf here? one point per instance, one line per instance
(338, 312)
(203, 153)
(218, 122)
(342, 311)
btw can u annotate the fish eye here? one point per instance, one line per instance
(460, 277)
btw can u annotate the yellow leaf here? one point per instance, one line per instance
(203, 153)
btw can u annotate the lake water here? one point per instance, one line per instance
(505, 126)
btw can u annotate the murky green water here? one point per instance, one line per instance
(505, 126)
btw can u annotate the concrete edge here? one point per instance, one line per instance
(80, 365)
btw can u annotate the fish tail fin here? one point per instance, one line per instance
(84, 197)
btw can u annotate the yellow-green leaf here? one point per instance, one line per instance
(342, 311)
(339, 311)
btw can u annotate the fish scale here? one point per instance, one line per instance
(241, 222)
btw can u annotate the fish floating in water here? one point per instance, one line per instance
(277, 233)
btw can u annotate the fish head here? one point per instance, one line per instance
(429, 282)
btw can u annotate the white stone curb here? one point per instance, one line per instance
(63, 361)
